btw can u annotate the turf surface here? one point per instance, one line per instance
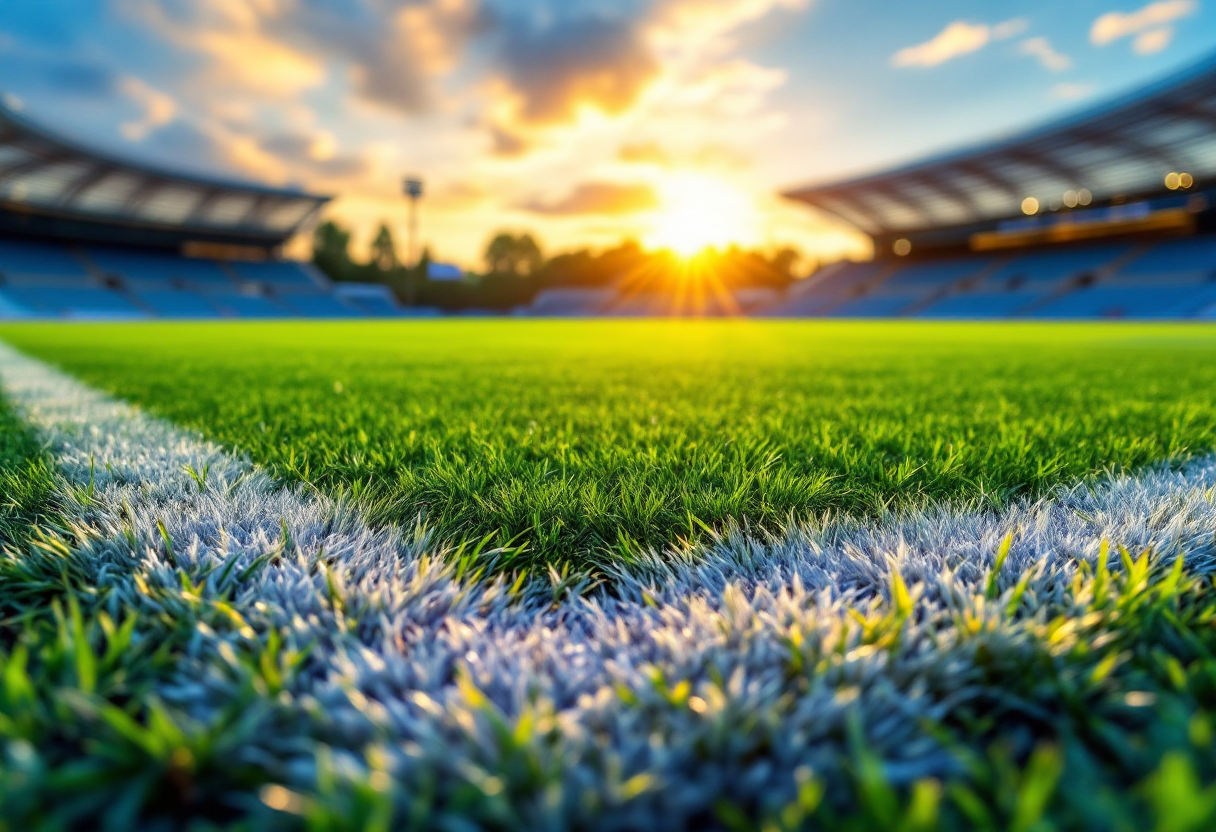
(579, 438)
(1082, 702)
(25, 479)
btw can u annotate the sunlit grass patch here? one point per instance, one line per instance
(1004, 709)
(196, 647)
(589, 440)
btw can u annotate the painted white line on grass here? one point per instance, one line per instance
(426, 667)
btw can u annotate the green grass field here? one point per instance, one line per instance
(1072, 691)
(25, 479)
(583, 438)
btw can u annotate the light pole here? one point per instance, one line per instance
(414, 189)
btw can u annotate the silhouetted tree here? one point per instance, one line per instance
(510, 255)
(331, 250)
(786, 260)
(384, 250)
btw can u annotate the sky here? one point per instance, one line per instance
(674, 122)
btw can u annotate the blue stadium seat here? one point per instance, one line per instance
(76, 302)
(980, 305)
(248, 306)
(319, 306)
(1103, 301)
(875, 306)
(937, 274)
(800, 306)
(641, 306)
(847, 278)
(154, 268)
(38, 260)
(376, 307)
(11, 308)
(176, 303)
(1192, 259)
(1056, 266)
(559, 303)
(284, 274)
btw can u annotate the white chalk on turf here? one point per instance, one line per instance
(616, 742)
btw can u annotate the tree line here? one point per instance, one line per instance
(516, 269)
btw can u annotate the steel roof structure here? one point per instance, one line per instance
(44, 173)
(1123, 148)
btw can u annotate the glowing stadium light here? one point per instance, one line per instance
(414, 189)
(1071, 199)
(1084, 197)
(1185, 180)
(1173, 181)
(902, 247)
(1030, 206)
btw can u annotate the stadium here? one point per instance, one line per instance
(630, 537)
(1105, 214)
(86, 235)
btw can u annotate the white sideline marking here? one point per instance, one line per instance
(385, 662)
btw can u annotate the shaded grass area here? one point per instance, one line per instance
(580, 439)
(25, 479)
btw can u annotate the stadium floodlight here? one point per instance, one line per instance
(414, 189)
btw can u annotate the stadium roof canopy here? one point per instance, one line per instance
(1123, 148)
(47, 174)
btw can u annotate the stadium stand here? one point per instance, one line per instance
(1110, 213)
(86, 235)
(40, 262)
(981, 304)
(570, 303)
(175, 303)
(374, 300)
(283, 276)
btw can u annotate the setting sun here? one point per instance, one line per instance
(699, 212)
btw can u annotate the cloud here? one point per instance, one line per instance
(552, 72)
(957, 39)
(644, 153)
(187, 144)
(600, 198)
(712, 20)
(507, 143)
(159, 109)
(550, 69)
(1153, 41)
(1067, 91)
(1041, 49)
(460, 195)
(313, 153)
(393, 49)
(706, 156)
(1010, 28)
(1151, 25)
(233, 36)
(397, 55)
